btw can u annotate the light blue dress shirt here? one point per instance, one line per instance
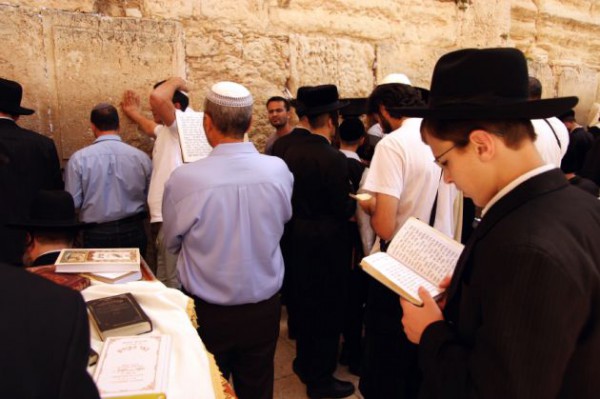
(225, 214)
(108, 180)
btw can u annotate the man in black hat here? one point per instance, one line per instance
(520, 318)
(316, 239)
(28, 163)
(51, 226)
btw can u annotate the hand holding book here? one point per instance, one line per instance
(416, 319)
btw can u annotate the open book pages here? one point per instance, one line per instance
(130, 366)
(192, 139)
(418, 256)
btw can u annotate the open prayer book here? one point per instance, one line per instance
(192, 139)
(418, 255)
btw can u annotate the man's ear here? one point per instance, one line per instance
(250, 124)
(484, 144)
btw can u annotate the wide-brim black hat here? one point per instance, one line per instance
(51, 210)
(315, 100)
(11, 94)
(484, 84)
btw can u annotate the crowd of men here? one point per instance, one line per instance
(240, 232)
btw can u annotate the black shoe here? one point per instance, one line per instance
(354, 368)
(332, 388)
(296, 370)
(344, 356)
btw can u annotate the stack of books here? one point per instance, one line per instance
(109, 265)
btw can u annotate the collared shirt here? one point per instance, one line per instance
(403, 167)
(225, 214)
(511, 186)
(166, 157)
(350, 154)
(108, 180)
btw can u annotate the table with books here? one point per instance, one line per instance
(179, 367)
(191, 371)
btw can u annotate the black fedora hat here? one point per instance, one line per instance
(484, 84)
(315, 100)
(50, 210)
(11, 94)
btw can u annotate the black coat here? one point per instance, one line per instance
(523, 313)
(28, 163)
(45, 339)
(317, 233)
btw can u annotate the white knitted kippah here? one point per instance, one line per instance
(396, 78)
(230, 94)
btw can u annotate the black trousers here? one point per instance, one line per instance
(390, 363)
(243, 339)
(319, 293)
(125, 233)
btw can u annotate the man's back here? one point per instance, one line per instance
(108, 180)
(232, 221)
(28, 163)
(552, 139)
(403, 167)
(321, 183)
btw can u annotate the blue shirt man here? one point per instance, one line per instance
(226, 213)
(109, 184)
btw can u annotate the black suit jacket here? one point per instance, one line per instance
(522, 318)
(28, 163)
(316, 237)
(283, 144)
(45, 339)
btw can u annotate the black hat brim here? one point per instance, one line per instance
(18, 111)
(534, 109)
(323, 109)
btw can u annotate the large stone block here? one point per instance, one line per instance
(95, 59)
(346, 63)
(580, 82)
(67, 5)
(175, 9)
(23, 58)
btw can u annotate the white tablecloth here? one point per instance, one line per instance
(189, 370)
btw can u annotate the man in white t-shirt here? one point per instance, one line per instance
(405, 182)
(166, 99)
(552, 135)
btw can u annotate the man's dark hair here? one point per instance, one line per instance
(535, 88)
(105, 117)
(285, 101)
(178, 97)
(394, 95)
(458, 131)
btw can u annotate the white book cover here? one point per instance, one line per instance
(418, 255)
(133, 365)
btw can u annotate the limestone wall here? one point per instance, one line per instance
(72, 54)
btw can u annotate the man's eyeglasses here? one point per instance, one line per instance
(437, 159)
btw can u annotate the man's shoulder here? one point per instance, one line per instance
(24, 283)
(25, 134)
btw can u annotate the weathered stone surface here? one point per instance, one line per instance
(78, 53)
(96, 59)
(67, 5)
(28, 64)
